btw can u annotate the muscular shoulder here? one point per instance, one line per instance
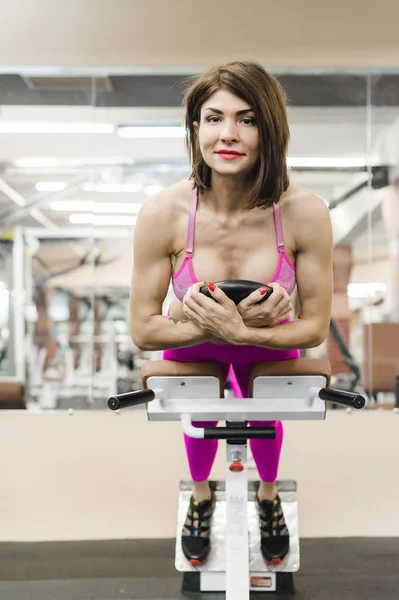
(160, 214)
(299, 202)
(306, 215)
(167, 202)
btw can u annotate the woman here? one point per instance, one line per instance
(236, 217)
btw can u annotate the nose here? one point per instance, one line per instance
(229, 131)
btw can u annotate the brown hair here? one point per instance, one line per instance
(251, 82)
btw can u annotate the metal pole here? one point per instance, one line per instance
(17, 300)
(9, 281)
(237, 545)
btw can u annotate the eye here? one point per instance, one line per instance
(212, 119)
(248, 121)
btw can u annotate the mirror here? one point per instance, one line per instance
(79, 157)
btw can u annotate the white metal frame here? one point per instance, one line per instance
(198, 398)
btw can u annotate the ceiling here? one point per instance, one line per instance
(176, 34)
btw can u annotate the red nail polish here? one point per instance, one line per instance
(212, 286)
(263, 290)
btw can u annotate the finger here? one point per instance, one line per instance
(282, 303)
(190, 314)
(275, 298)
(197, 286)
(285, 300)
(219, 295)
(279, 292)
(191, 303)
(280, 312)
(197, 297)
(253, 298)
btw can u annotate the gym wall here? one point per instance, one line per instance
(174, 34)
(99, 475)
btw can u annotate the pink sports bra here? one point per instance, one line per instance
(185, 277)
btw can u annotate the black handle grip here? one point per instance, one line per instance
(130, 399)
(239, 433)
(238, 289)
(342, 398)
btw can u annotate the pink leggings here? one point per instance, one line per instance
(201, 453)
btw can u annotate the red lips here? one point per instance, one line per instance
(230, 152)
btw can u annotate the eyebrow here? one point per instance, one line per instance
(238, 113)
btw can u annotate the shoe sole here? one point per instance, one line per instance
(197, 563)
(275, 562)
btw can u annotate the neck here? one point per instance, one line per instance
(228, 194)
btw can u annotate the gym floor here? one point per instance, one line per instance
(332, 569)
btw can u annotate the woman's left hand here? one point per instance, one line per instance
(220, 318)
(271, 312)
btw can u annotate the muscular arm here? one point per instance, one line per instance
(153, 245)
(314, 281)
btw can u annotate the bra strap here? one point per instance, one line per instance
(191, 222)
(279, 226)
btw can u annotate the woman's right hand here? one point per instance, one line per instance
(176, 312)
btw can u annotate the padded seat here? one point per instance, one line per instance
(174, 368)
(294, 367)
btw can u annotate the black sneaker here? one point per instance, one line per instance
(274, 536)
(196, 533)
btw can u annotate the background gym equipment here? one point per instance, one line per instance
(346, 381)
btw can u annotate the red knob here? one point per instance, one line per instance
(236, 467)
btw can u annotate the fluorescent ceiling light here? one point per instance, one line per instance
(131, 188)
(326, 161)
(50, 186)
(31, 162)
(96, 207)
(54, 127)
(112, 187)
(126, 131)
(88, 219)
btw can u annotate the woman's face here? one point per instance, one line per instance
(228, 134)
